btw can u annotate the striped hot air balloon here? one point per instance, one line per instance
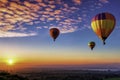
(103, 24)
(54, 33)
(91, 44)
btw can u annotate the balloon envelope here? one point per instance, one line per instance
(91, 45)
(54, 33)
(103, 24)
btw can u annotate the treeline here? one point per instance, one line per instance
(73, 75)
(7, 76)
(61, 75)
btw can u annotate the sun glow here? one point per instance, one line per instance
(10, 61)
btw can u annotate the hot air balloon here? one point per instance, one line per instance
(91, 45)
(103, 24)
(54, 33)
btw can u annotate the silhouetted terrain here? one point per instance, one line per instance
(62, 75)
(7, 76)
(71, 75)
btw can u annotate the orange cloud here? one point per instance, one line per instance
(27, 4)
(77, 1)
(7, 27)
(42, 4)
(4, 1)
(26, 12)
(42, 19)
(52, 6)
(57, 11)
(51, 2)
(41, 12)
(51, 19)
(49, 9)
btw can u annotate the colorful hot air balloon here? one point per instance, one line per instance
(54, 33)
(91, 45)
(103, 24)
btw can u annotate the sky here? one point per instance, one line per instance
(24, 33)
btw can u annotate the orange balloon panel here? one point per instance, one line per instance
(54, 33)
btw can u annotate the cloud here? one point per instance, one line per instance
(15, 34)
(4, 1)
(38, 27)
(19, 14)
(68, 30)
(77, 1)
(104, 1)
(23, 12)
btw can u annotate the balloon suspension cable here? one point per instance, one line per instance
(54, 40)
(104, 43)
(91, 48)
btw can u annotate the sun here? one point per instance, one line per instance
(10, 61)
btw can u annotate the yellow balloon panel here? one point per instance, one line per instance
(103, 28)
